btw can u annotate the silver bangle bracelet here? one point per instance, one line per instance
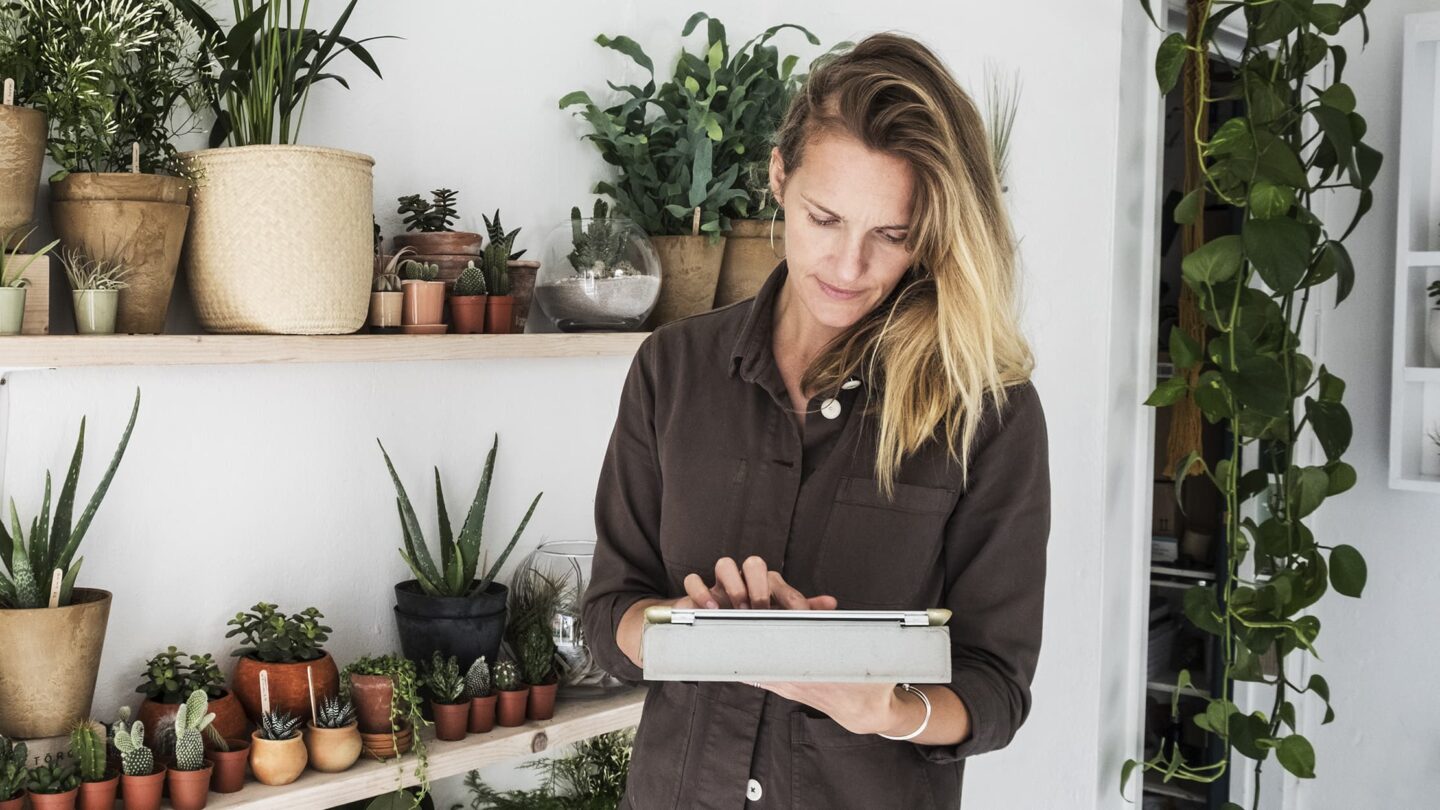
(923, 699)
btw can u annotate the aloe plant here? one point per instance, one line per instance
(459, 554)
(52, 541)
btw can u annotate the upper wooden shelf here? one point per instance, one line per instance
(59, 351)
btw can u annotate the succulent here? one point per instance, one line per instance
(477, 679)
(386, 282)
(11, 271)
(537, 653)
(278, 726)
(13, 756)
(496, 232)
(87, 748)
(429, 216)
(599, 247)
(191, 720)
(507, 676)
(471, 281)
(135, 758)
(443, 678)
(87, 273)
(412, 270)
(170, 677)
(274, 638)
(496, 258)
(335, 712)
(54, 776)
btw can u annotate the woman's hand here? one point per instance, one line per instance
(748, 585)
(863, 708)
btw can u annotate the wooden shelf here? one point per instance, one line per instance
(574, 720)
(60, 351)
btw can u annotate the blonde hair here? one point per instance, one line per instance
(949, 334)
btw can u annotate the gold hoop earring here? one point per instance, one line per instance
(775, 214)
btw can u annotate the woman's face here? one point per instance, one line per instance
(847, 213)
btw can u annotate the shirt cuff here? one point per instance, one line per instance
(985, 706)
(610, 609)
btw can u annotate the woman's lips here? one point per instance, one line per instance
(837, 293)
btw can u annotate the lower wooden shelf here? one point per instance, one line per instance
(574, 720)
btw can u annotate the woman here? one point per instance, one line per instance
(860, 434)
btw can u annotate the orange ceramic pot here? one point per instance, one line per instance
(498, 311)
(54, 801)
(189, 790)
(142, 792)
(482, 714)
(332, 750)
(451, 720)
(542, 701)
(512, 707)
(373, 696)
(98, 795)
(289, 690)
(229, 773)
(467, 314)
(277, 762)
(424, 302)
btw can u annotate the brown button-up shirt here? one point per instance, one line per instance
(706, 461)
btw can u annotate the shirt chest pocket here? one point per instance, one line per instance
(700, 512)
(878, 552)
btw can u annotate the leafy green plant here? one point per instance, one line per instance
(429, 216)
(13, 756)
(87, 273)
(412, 270)
(1264, 166)
(270, 636)
(192, 720)
(266, 66)
(55, 775)
(598, 248)
(278, 726)
(507, 676)
(459, 554)
(496, 258)
(11, 271)
(405, 704)
(534, 599)
(590, 777)
(443, 679)
(496, 233)
(172, 675)
(471, 281)
(88, 750)
(135, 758)
(477, 679)
(24, 582)
(335, 711)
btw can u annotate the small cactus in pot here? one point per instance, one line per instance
(189, 777)
(482, 698)
(514, 695)
(467, 300)
(424, 301)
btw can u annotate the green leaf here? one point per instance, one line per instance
(1279, 249)
(1331, 423)
(1347, 570)
(1167, 393)
(1298, 757)
(1258, 382)
(1277, 161)
(1169, 61)
(1332, 388)
(1341, 475)
(1247, 731)
(1129, 766)
(1184, 351)
(1201, 609)
(1339, 96)
(1212, 396)
(1318, 685)
(1336, 126)
(1306, 489)
(1213, 262)
(1188, 209)
(630, 48)
(1268, 200)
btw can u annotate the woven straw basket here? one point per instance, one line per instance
(280, 239)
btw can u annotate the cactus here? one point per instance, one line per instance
(537, 653)
(191, 719)
(443, 679)
(88, 750)
(599, 248)
(507, 676)
(471, 281)
(429, 216)
(412, 270)
(12, 768)
(495, 259)
(497, 233)
(278, 726)
(135, 758)
(477, 679)
(55, 776)
(335, 712)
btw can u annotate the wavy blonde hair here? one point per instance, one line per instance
(949, 334)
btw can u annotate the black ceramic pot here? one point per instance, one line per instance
(463, 626)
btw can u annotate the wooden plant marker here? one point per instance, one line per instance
(56, 578)
(310, 682)
(9, 92)
(135, 157)
(264, 691)
(695, 222)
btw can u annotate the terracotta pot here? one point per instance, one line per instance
(99, 795)
(373, 696)
(229, 720)
(689, 273)
(522, 289)
(228, 775)
(498, 313)
(19, 800)
(289, 691)
(12, 309)
(47, 674)
(95, 311)
(142, 792)
(749, 259)
(54, 801)
(542, 701)
(138, 217)
(386, 309)
(22, 152)
(511, 711)
(384, 744)
(452, 720)
(189, 790)
(424, 302)
(452, 243)
(467, 314)
(332, 750)
(482, 714)
(277, 762)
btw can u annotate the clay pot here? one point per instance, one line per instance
(522, 289)
(384, 744)
(512, 708)
(189, 790)
(22, 152)
(424, 302)
(47, 674)
(54, 801)
(542, 701)
(499, 310)
(467, 314)
(386, 309)
(142, 792)
(482, 714)
(690, 271)
(749, 259)
(452, 720)
(277, 762)
(140, 218)
(373, 696)
(229, 720)
(99, 795)
(228, 775)
(289, 691)
(15, 803)
(332, 750)
(441, 243)
(95, 311)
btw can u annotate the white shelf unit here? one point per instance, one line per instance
(1415, 370)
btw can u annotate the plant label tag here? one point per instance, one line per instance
(55, 580)
(310, 682)
(265, 691)
(9, 92)
(135, 157)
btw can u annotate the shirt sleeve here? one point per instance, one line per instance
(627, 565)
(994, 557)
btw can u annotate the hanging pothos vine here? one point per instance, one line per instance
(1293, 140)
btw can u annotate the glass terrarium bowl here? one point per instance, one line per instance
(598, 274)
(565, 564)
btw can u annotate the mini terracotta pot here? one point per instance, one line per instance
(332, 750)
(289, 691)
(373, 695)
(451, 720)
(463, 243)
(386, 309)
(189, 790)
(277, 762)
(142, 792)
(511, 711)
(424, 302)
(229, 773)
(542, 701)
(498, 310)
(13, 804)
(467, 314)
(54, 801)
(482, 714)
(98, 795)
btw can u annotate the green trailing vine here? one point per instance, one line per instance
(405, 705)
(1252, 377)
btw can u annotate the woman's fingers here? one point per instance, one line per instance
(822, 603)
(729, 579)
(698, 592)
(756, 582)
(784, 595)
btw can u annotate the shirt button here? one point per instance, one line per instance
(850, 384)
(830, 408)
(753, 792)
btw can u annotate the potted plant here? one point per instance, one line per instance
(386, 691)
(333, 738)
(13, 756)
(290, 649)
(277, 749)
(599, 273)
(265, 68)
(189, 778)
(52, 785)
(534, 599)
(22, 130)
(141, 783)
(387, 299)
(482, 697)
(168, 680)
(445, 608)
(447, 698)
(467, 301)
(95, 285)
(98, 783)
(428, 232)
(14, 281)
(500, 304)
(522, 272)
(424, 299)
(47, 673)
(513, 695)
(229, 757)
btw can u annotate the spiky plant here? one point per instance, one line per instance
(471, 281)
(442, 677)
(496, 258)
(278, 726)
(507, 676)
(12, 272)
(459, 554)
(598, 249)
(55, 775)
(135, 758)
(94, 273)
(13, 756)
(87, 748)
(429, 216)
(335, 712)
(52, 542)
(191, 720)
(386, 282)
(412, 270)
(537, 654)
(477, 679)
(497, 233)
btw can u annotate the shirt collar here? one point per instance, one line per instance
(752, 344)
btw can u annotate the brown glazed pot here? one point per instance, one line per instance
(289, 690)
(99, 795)
(189, 790)
(749, 259)
(373, 695)
(277, 762)
(511, 706)
(689, 272)
(228, 775)
(386, 309)
(138, 217)
(498, 312)
(332, 750)
(522, 289)
(54, 801)
(142, 792)
(482, 714)
(47, 674)
(441, 243)
(22, 152)
(467, 314)
(452, 720)
(424, 302)
(229, 720)
(542, 701)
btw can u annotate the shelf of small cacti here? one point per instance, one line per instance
(574, 720)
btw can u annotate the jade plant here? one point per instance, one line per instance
(54, 775)
(136, 759)
(443, 679)
(170, 676)
(455, 574)
(192, 722)
(434, 215)
(274, 638)
(277, 726)
(496, 233)
(507, 677)
(412, 270)
(334, 711)
(26, 566)
(88, 749)
(13, 756)
(471, 281)
(477, 679)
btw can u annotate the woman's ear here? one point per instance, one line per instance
(777, 175)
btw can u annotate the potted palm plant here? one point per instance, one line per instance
(290, 650)
(171, 676)
(98, 783)
(14, 281)
(52, 636)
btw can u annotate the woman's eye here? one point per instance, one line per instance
(894, 240)
(822, 222)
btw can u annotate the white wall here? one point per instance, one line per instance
(265, 483)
